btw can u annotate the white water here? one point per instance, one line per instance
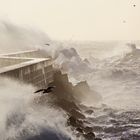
(113, 75)
(117, 80)
(21, 118)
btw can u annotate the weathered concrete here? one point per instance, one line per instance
(28, 66)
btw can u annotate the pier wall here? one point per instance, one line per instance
(21, 66)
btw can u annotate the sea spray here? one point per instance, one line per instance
(113, 73)
(20, 38)
(21, 119)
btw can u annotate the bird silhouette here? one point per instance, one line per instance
(46, 90)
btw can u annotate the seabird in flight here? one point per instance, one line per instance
(48, 90)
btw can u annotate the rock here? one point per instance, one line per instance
(89, 111)
(67, 105)
(79, 130)
(80, 123)
(72, 121)
(89, 136)
(68, 97)
(77, 114)
(98, 139)
(64, 88)
(88, 129)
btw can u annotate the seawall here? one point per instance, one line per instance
(31, 67)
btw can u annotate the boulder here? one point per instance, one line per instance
(98, 139)
(88, 129)
(89, 136)
(77, 114)
(80, 130)
(72, 121)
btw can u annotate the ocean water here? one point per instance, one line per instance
(114, 78)
(112, 70)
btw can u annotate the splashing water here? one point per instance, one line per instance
(112, 70)
(116, 79)
(22, 119)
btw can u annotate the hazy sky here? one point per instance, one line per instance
(77, 19)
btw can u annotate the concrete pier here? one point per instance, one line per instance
(31, 67)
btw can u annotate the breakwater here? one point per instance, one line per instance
(31, 67)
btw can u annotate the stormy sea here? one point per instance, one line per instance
(96, 95)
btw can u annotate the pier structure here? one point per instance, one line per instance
(32, 67)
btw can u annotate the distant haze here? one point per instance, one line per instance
(77, 19)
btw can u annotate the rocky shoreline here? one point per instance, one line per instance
(65, 96)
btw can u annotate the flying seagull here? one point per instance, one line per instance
(46, 90)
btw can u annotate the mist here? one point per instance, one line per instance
(110, 70)
(19, 38)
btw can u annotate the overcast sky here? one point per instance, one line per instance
(77, 19)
